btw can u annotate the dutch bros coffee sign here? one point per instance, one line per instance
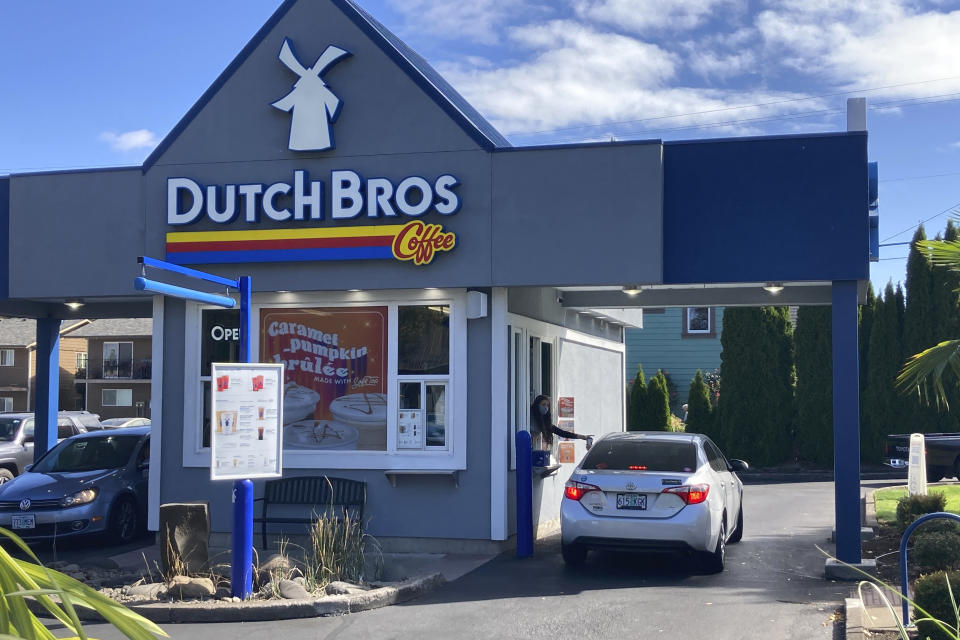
(303, 201)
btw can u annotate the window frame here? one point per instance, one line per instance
(6, 403)
(104, 360)
(13, 357)
(686, 332)
(453, 457)
(103, 402)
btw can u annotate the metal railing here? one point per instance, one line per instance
(114, 370)
(904, 586)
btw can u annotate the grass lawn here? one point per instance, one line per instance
(886, 501)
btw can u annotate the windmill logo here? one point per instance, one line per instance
(313, 107)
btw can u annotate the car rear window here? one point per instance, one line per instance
(642, 455)
(90, 422)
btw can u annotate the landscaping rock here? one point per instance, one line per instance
(343, 588)
(185, 588)
(184, 538)
(290, 590)
(149, 591)
(277, 564)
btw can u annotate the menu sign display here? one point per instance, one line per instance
(247, 414)
(335, 380)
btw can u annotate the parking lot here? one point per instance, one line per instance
(773, 588)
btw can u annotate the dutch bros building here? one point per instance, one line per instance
(421, 279)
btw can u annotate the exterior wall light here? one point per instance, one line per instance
(74, 303)
(773, 287)
(354, 290)
(632, 289)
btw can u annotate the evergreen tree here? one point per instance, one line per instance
(814, 426)
(946, 318)
(699, 409)
(658, 404)
(756, 406)
(883, 408)
(636, 402)
(919, 323)
(866, 324)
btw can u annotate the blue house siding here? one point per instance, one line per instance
(662, 345)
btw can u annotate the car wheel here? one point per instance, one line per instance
(574, 555)
(713, 560)
(5, 475)
(124, 521)
(738, 530)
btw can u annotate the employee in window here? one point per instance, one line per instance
(542, 422)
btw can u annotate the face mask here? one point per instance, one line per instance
(543, 410)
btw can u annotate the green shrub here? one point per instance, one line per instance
(909, 508)
(932, 594)
(937, 549)
(636, 401)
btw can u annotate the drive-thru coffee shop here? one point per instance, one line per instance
(421, 279)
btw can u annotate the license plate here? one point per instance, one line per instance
(632, 501)
(24, 522)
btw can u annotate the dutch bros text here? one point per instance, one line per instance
(350, 196)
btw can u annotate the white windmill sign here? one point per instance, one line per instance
(314, 107)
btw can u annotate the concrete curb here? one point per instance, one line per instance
(763, 477)
(260, 610)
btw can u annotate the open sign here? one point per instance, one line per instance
(219, 333)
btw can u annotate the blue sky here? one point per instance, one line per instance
(99, 83)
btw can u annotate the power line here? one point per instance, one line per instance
(952, 207)
(932, 175)
(899, 258)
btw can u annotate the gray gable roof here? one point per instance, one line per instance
(22, 332)
(115, 328)
(411, 63)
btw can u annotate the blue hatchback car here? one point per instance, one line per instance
(92, 483)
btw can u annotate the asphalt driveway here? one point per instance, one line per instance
(773, 588)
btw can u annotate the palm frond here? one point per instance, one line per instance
(941, 252)
(924, 372)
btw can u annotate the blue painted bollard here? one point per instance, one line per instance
(241, 556)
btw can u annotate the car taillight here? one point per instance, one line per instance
(576, 490)
(690, 494)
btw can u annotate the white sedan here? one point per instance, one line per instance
(653, 492)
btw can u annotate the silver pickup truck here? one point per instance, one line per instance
(16, 437)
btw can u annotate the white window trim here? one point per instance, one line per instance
(709, 320)
(3, 403)
(13, 357)
(103, 402)
(453, 458)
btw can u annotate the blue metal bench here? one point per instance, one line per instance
(323, 494)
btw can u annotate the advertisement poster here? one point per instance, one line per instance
(565, 407)
(565, 453)
(567, 425)
(335, 375)
(247, 412)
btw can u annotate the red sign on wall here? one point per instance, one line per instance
(565, 407)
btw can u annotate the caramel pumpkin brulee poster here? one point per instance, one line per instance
(336, 374)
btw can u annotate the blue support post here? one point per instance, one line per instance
(241, 570)
(846, 421)
(48, 386)
(242, 553)
(524, 496)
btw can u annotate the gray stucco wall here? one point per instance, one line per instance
(419, 506)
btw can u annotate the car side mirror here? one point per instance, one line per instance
(738, 465)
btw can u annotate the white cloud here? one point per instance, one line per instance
(130, 140)
(578, 75)
(477, 20)
(955, 145)
(865, 44)
(642, 16)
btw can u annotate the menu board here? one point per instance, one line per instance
(247, 415)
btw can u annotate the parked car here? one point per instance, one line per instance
(119, 423)
(653, 492)
(17, 433)
(942, 454)
(92, 483)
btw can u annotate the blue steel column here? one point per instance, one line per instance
(241, 560)
(48, 386)
(846, 421)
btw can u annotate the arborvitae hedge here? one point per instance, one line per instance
(699, 408)
(883, 406)
(813, 434)
(636, 402)
(756, 406)
(658, 404)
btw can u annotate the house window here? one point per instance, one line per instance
(117, 359)
(6, 357)
(81, 361)
(698, 322)
(6, 404)
(117, 397)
